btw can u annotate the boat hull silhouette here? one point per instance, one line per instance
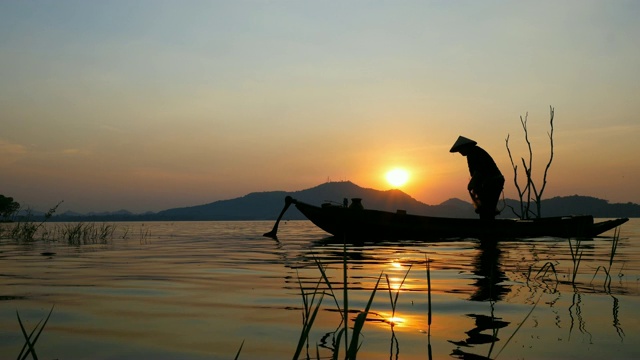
(381, 225)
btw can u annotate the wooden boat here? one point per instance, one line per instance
(366, 224)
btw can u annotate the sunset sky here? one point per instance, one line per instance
(149, 105)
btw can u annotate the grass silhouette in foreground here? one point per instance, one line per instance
(30, 340)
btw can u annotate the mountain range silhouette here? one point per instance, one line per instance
(267, 206)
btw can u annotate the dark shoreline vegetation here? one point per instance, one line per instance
(347, 338)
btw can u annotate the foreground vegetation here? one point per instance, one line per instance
(312, 300)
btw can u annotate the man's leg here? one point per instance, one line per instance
(489, 199)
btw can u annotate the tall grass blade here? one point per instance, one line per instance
(28, 342)
(323, 272)
(336, 351)
(393, 300)
(429, 351)
(548, 265)
(345, 292)
(519, 326)
(352, 351)
(239, 350)
(27, 345)
(576, 257)
(308, 316)
(607, 270)
(614, 245)
(428, 292)
(307, 329)
(393, 308)
(607, 277)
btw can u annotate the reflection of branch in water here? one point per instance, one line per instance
(394, 340)
(333, 346)
(577, 304)
(552, 304)
(571, 315)
(616, 321)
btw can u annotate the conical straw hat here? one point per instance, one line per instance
(461, 142)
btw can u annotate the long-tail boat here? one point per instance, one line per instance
(356, 222)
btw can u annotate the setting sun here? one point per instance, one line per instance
(397, 177)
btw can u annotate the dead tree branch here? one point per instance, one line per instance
(525, 194)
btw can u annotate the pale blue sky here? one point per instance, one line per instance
(147, 105)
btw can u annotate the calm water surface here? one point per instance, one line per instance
(197, 290)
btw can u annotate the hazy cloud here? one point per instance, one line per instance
(75, 151)
(11, 152)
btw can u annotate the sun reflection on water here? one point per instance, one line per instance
(396, 320)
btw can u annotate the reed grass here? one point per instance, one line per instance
(576, 253)
(345, 292)
(576, 258)
(518, 328)
(327, 282)
(87, 233)
(392, 321)
(310, 311)
(428, 292)
(144, 234)
(239, 350)
(607, 270)
(73, 233)
(354, 346)
(428, 264)
(311, 305)
(392, 299)
(548, 266)
(30, 340)
(26, 227)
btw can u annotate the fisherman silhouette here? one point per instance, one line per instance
(486, 182)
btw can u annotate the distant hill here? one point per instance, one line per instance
(576, 205)
(267, 206)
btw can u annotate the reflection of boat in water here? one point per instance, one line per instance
(356, 222)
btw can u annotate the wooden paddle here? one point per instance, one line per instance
(288, 200)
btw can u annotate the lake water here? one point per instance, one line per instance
(198, 290)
